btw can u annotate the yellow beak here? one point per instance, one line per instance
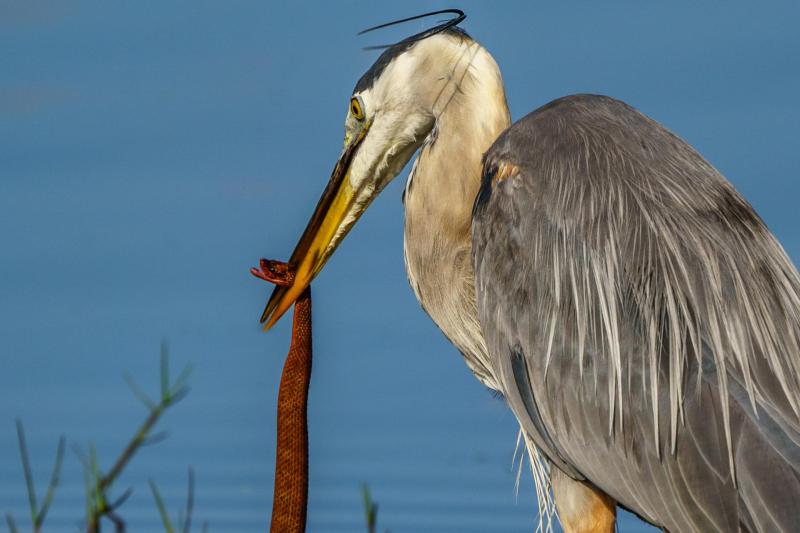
(333, 217)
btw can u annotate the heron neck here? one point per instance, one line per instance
(439, 195)
(470, 114)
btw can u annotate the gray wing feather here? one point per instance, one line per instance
(658, 318)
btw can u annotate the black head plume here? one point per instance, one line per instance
(455, 21)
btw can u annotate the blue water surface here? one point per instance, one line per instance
(150, 153)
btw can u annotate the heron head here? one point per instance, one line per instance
(389, 114)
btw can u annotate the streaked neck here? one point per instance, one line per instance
(439, 195)
(470, 113)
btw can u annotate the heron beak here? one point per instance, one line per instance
(333, 217)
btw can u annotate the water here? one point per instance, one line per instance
(150, 156)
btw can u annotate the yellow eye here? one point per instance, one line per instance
(355, 108)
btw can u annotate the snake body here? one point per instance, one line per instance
(290, 497)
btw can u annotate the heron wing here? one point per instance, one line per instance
(641, 318)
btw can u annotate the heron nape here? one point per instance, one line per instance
(634, 311)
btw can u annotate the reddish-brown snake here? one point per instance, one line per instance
(290, 498)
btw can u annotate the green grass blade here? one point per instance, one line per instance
(187, 523)
(140, 395)
(162, 509)
(12, 526)
(164, 372)
(370, 509)
(51, 487)
(26, 468)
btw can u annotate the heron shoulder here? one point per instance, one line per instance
(608, 150)
(570, 122)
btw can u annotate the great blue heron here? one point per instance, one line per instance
(636, 314)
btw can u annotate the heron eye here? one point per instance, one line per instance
(355, 109)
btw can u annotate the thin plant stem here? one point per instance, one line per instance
(187, 524)
(12, 526)
(51, 487)
(100, 483)
(26, 468)
(38, 514)
(162, 509)
(135, 443)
